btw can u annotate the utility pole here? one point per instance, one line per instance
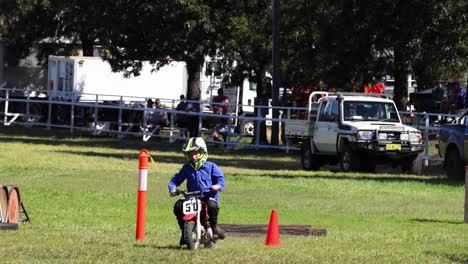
(1, 62)
(276, 72)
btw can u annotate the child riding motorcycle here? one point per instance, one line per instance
(201, 175)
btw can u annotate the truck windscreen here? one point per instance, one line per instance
(370, 111)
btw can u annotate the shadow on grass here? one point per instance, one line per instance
(421, 220)
(266, 165)
(460, 258)
(463, 259)
(64, 137)
(158, 246)
(373, 177)
(158, 157)
(59, 137)
(261, 159)
(178, 158)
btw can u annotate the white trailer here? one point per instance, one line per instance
(79, 85)
(84, 77)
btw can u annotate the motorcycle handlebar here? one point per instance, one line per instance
(186, 193)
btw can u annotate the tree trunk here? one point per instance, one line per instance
(261, 100)
(87, 45)
(193, 70)
(401, 79)
(425, 70)
(424, 78)
(2, 63)
(276, 61)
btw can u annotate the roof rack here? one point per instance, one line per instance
(315, 96)
(382, 95)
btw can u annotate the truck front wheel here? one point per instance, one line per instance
(349, 160)
(454, 165)
(415, 164)
(309, 161)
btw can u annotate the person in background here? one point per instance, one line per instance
(220, 104)
(182, 103)
(150, 114)
(380, 86)
(368, 87)
(456, 97)
(182, 120)
(149, 103)
(377, 86)
(160, 117)
(439, 94)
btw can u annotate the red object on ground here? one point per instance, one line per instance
(141, 200)
(273, 234)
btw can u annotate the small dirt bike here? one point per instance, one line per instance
(196, 231)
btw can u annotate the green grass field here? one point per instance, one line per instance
(80, 193)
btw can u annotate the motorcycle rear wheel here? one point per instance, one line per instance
(190, 233)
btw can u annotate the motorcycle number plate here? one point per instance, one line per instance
(191, 206)
(393, 147)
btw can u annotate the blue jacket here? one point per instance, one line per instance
(202, 179)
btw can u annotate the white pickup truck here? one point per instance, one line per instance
(358, 131)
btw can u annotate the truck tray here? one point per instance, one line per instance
(298, 129)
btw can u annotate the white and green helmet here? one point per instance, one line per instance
(194, 144)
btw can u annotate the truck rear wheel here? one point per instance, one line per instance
(35, 113)
(247, 127)
(309, 161)
(349, 160)
(454, 165)
(61, 114)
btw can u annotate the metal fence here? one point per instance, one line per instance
(28, 108)
(131, 118)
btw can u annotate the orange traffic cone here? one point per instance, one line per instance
(273, 235)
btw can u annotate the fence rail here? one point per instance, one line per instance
(22, 107)
(130, 117)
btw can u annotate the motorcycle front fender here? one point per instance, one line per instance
(189, 217)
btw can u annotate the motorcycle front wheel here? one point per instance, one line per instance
(190, 234)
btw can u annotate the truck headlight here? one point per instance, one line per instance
(382, 136)
(404, 137)
(415, 137)
(365, 135)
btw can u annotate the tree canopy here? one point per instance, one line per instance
(340, 42)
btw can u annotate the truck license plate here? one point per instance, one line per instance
(393, 147)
